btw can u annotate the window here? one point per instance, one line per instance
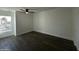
(5, 22)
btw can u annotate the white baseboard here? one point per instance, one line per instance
(23, 32)
(52, 34)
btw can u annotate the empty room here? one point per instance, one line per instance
(39, 29)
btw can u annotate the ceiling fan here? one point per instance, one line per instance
(27, 11)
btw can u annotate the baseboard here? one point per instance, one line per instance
(23, 33)
(43, 33)
(52, 35)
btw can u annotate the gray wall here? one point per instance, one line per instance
(24, 23)
(57, 22)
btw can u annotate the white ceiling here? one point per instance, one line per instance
(34, 9)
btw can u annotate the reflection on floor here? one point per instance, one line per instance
(34, 41)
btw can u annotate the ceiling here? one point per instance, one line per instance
(39, 8)
(34, 9)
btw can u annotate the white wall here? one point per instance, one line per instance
(57, 22)
(76, 26)
(23, 23)
(13, 16)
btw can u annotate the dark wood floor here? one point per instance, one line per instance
(34, 41)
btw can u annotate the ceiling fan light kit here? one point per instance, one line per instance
(27, 11)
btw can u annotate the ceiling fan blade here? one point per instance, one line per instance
(31, 12)
(22, 9)
(26, 10)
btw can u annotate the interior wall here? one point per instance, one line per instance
(23, 23)
(76, 26)
(13, 16)
(57, 22)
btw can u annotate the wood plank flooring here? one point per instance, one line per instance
(34, 41)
